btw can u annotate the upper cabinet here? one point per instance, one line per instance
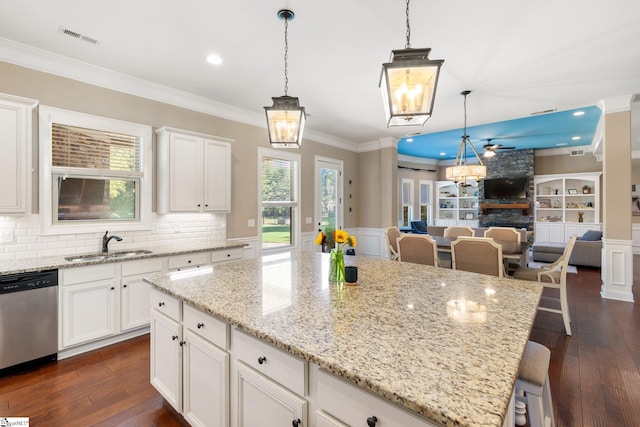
(15, 162)
(194, 172)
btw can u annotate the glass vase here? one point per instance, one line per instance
(336, 272)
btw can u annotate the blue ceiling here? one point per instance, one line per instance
(551, 130)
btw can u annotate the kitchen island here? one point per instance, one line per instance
(444, 345)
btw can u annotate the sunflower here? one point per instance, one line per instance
(340, 236)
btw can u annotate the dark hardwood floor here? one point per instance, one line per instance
(594, 374)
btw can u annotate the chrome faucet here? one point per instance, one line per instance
(106, 239)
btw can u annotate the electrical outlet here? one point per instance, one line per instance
(176, 228)
(7, 236)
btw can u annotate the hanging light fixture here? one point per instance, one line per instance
(408, 83)
(461, 173)
(285, 118)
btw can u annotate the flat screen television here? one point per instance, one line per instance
(505, 188)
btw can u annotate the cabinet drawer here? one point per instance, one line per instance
(226, 255)
(352, 405)
(209, 328)
(282, 367)
(166, 304)
(131, 268)
(72, 276)
(189, 260)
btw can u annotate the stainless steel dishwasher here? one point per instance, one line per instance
(28, 319)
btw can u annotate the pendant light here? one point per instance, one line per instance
(285, 118)
(408, 84)
(461, 173)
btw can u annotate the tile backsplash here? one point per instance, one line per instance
(20, 236)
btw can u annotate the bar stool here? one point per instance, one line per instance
(532, 387)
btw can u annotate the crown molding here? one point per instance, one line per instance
(418, 160)
(379, 144)
(59, 65)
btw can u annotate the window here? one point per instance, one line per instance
(407, 202)
(425, 201)
(97, 172)
(279, 195)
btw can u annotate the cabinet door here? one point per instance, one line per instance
(258, 401)
(556, 232)
(325, 420)
(88, 311)
(205, 382)
(15, 143)
(166, 358)
(135, 296)
(185, 181)
(217, 176)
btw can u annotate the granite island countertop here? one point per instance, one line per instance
(444, 344)
(56, 262)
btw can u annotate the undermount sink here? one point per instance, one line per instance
(99, 257)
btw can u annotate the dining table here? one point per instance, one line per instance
(511, 249)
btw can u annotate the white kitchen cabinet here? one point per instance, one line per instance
(15, 145)
(134, 292)
(189, 361)
(259, 401)
(166, 358)
(191, 260)
(325, 420)
(194, 172)
(549, 232)
(356, 407)
(88, 304)
(205, 382)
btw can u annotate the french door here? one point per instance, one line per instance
(328, 194)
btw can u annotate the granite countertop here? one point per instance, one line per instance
(445, 344)
(53, 262)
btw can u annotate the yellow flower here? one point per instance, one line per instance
(341, 236)
(352, 241)
(320, 238)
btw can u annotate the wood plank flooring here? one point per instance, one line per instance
(594, 375)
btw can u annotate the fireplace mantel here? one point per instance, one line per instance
(523, 206)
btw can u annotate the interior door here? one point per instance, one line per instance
(328, 194)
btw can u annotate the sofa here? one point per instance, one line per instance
(587, 251)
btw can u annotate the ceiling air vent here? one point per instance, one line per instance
(77, 35)
(576, 152)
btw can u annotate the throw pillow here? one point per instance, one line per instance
(591, 235)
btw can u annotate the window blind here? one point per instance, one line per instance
(278, 180)
(75, 147)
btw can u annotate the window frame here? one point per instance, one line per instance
(427, 203)
(295, 204)
(408, 206)
(48, 213)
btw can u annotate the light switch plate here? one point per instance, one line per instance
(307, 220)
(251, 223)
(7, 236)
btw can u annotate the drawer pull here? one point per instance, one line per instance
(175, 337)
(371, 421)
(296, 423)
(262, 360)
(200, 325)
(182, 343)
(112, 288)
(160, 304)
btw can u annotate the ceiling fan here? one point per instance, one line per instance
(491, 149)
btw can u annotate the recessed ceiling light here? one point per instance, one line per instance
(578, 113)
(409, 139)
(214, 59)
(443, 154)
(562, 144)
(575, 138)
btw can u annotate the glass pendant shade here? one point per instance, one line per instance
(466, 174)
(285, 121)
(408, 84)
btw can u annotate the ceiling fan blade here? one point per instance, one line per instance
(506, 148)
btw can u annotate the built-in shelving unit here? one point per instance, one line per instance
(456, 206)
(566, 205)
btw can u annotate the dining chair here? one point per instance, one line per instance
(417, 248)
(553, 276)
(455, 231)
(512, 235)
(477, 254)
(392, 234)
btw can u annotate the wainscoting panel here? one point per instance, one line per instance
(371, 242)
(617, 277)
(635, 232)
